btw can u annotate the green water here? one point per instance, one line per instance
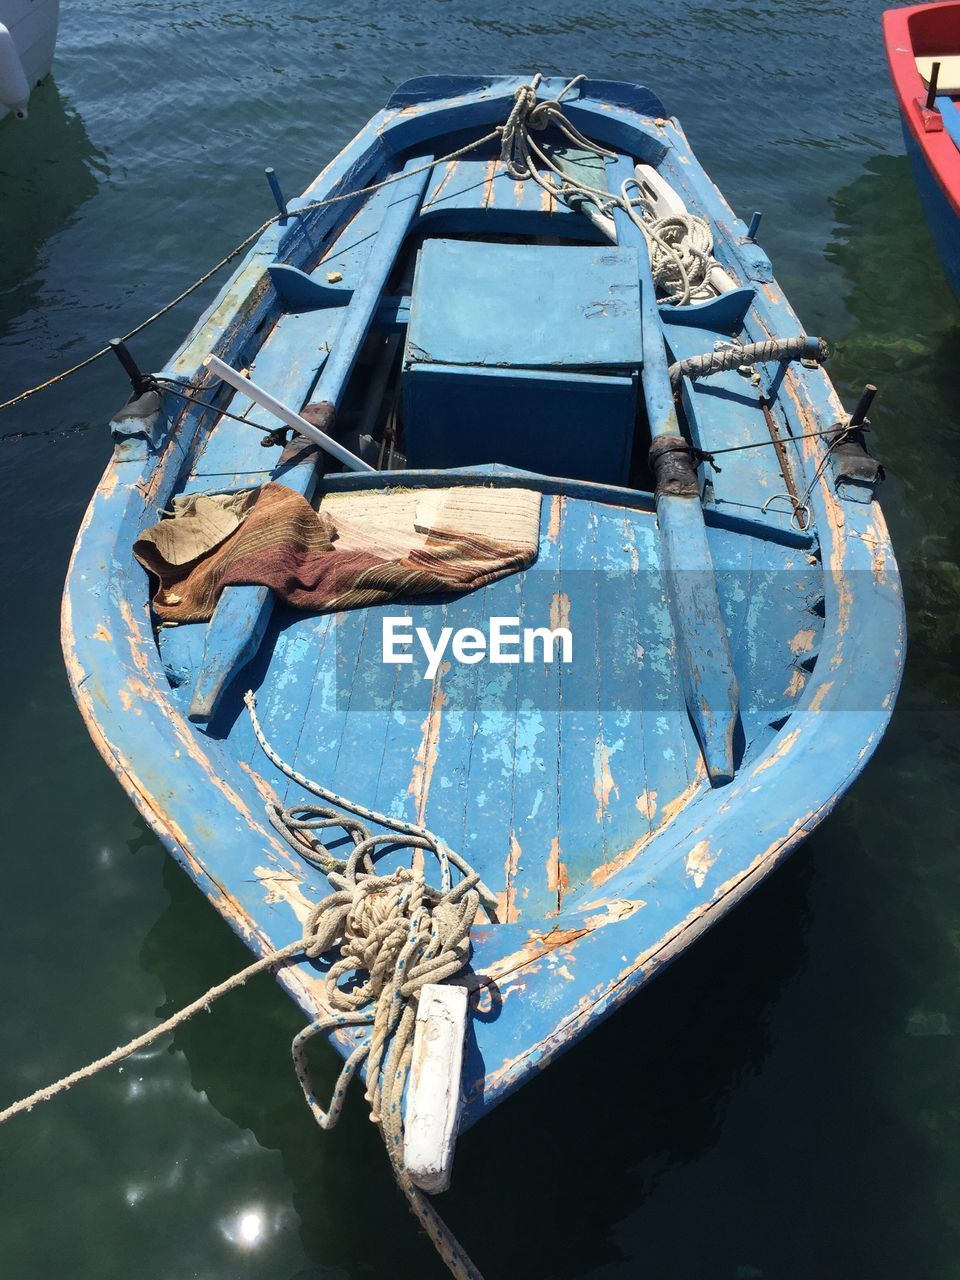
(783, 1103)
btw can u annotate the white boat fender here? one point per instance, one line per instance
(14, 90)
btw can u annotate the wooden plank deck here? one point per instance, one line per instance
(543, 775)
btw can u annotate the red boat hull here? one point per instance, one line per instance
(924, 31)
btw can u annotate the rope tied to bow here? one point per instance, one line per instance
(517, 149)
(392, 934)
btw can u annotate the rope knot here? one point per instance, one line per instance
(375, 907)
(539, 115)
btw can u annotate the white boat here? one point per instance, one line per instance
(28, 33)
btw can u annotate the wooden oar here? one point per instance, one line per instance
(240, 619)
(708, 679)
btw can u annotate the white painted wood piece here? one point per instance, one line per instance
(432, 1115)
(286, 415)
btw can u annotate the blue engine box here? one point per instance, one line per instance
(523, 354)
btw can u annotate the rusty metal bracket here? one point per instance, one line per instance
(673, 462)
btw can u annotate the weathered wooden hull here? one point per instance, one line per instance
(586, 806)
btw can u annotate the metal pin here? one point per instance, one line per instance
(932, 87)
(859, 415)
(138, 380)
(277, 193)
(754, 226)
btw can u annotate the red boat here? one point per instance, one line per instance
(923, 50)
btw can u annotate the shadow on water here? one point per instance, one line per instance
(881, 243)
(905, 337)
(681, 1133)
(904, 333)
(48, 169)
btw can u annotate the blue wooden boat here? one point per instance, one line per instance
(708, 535)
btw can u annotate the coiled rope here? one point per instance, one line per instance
(680, 248)
(393, 933)
(396, 933)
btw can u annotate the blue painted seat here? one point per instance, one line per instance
(951, 116)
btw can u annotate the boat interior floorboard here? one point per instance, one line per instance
(540, 778)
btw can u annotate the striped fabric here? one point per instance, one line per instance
(357, 550)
